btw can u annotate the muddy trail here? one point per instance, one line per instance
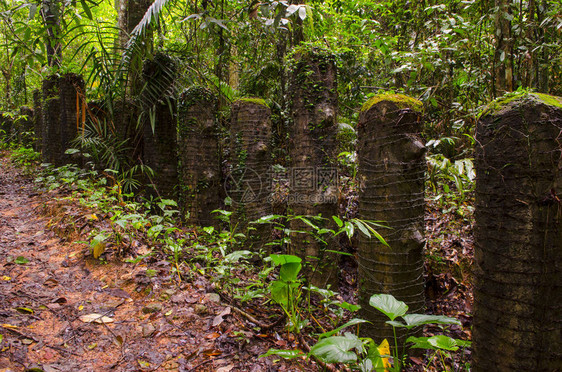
(61, 310)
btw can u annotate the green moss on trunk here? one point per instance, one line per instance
(401, 100)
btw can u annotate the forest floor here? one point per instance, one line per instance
(63, 310)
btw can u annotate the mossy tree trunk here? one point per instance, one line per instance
(160, 125)
(518, 236)
(198, 149)
(313, 180)
(391, 173)
(250, 151)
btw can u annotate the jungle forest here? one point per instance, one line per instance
(211, 185)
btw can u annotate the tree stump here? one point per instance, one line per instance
(59, 116)
(518, 235)
(37, 120)
(198, 148)
(391, 173)
(312, 149)
(250, 150)
(160, 125)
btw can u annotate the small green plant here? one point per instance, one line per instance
(364, 354)
(286, 291)
(25, 157)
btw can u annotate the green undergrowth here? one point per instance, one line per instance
(270, 284)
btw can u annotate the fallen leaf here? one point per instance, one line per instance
(21, 260)
(227, 368)
(219, 318)
(98, 249)
(6, 278)
(212, 336)
(96, 318)
(24, 310)
(212, 352)
(50, 282)
(118, 340)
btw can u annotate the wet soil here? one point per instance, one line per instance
(61, 310)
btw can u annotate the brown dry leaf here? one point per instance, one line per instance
(50, 283)
(212, 336)
(96, 318)
(212, 352)
(227, 368)
(219, 318)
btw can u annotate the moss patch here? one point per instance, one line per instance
(401, 100)
(549, 100)
(257, 101)
(500, 103)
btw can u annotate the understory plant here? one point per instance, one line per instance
(364, 354)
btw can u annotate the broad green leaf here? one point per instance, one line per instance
(281, 259)
(336, 349)
(388, 305)
(280, 292)
(443, 342)
(237, 255)
(414, 320)
(440, 342)
(338, 221)
(419, 343)
(290, 271)
(287, 354)
(352, 322)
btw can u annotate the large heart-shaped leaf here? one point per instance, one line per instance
(443, 342)
(336, 349)
(388, 305)
(416, 320)
(434, 342)
(290, 271)
(281, 259)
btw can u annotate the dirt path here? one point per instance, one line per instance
(47, 284)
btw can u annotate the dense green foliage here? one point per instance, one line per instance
(452, 55)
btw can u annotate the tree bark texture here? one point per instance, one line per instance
(131, 13)
(37, 120)
(250, 149)
(391, 172)
(312, 149)
(59, 116)
(198, 148)
(518, 237)
(160, 124)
